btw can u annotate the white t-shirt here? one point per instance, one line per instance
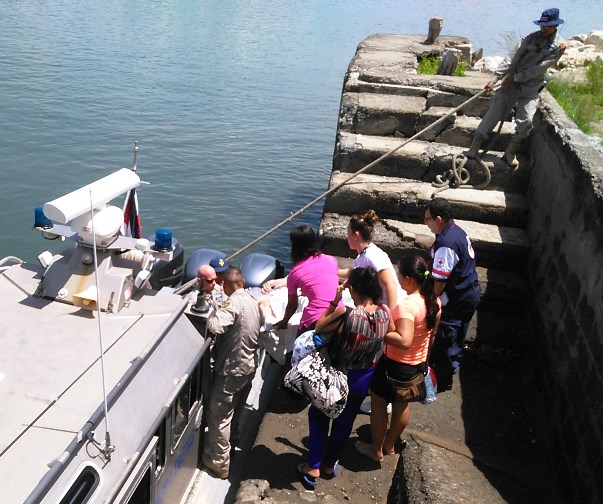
(375, 258)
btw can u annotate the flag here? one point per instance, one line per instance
(131, 226)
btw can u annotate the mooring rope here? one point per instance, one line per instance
(459, 176)
(184, 287)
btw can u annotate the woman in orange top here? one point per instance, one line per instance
(416, 320)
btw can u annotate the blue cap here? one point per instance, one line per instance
(219, 263)
(550, 17)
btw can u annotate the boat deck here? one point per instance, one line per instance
(50, 371)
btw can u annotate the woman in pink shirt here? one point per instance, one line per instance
(314, 273)
(416, 319)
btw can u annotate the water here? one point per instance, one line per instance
(234, 103)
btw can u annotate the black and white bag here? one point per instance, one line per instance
(315, 378)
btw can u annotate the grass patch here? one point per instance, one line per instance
(583, 103)
(428, 65)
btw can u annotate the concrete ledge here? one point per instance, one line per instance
(496, 247)
(422, 161)
(393, 114)
(400, 198)
(462, 131)
(333, 232)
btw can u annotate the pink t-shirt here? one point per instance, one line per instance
(412, 308)
(317, 278)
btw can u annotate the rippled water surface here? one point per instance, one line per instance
(234, 103)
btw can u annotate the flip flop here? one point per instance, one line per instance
(308, 482)
(329, 476)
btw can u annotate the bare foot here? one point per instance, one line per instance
(389, 451)
(308, 471)
(366, 449)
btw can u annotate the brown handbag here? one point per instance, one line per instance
(412, 390)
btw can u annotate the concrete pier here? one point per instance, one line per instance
(383, 102)
(522, 422)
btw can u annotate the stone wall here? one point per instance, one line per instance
(565, 228)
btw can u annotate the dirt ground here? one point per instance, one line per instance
(475, 444)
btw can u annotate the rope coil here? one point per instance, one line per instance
(459, 176)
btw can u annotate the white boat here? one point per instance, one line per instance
(78, 428)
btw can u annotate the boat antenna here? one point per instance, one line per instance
(135, 164)
(108, 448)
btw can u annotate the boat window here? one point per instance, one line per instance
(180, 413)
(142, 494)
(83, 487)
(160, 451)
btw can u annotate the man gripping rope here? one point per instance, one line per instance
(523, 73)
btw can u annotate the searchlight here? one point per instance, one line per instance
(76, 207)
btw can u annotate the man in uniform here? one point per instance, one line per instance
(455, 280)
(523, 72)
(236, 326)
(219, 265)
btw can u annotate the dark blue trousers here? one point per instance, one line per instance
(326, 447)
(450, 337)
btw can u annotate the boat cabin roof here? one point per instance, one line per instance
(50, 371)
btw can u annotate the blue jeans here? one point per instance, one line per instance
(450, 337)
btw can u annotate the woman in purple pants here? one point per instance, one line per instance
(353, 349)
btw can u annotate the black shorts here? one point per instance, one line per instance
(397, 371)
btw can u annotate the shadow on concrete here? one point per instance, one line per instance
(499, 432)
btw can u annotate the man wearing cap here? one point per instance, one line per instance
(219, 265)
(236, 326)
(522, 73)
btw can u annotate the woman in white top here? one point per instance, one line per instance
(360, 235)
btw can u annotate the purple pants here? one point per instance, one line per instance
(325, 447)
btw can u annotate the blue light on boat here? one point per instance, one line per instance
(41, 221)
(163, 239)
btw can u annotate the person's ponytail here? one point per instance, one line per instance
(415, 267)
(427, 290)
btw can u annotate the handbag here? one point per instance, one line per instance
(422, 387)
(306, 343)
(316, 379)
(412, 390)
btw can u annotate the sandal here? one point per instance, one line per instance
(329, 476)
(308, 482)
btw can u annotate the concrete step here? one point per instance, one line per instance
(501, 247)
(405, 115)
(503, 292)
(371, 73)
(404, 199)
(423, 161)
(498, 328)
(461, 132)
(498, 247)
